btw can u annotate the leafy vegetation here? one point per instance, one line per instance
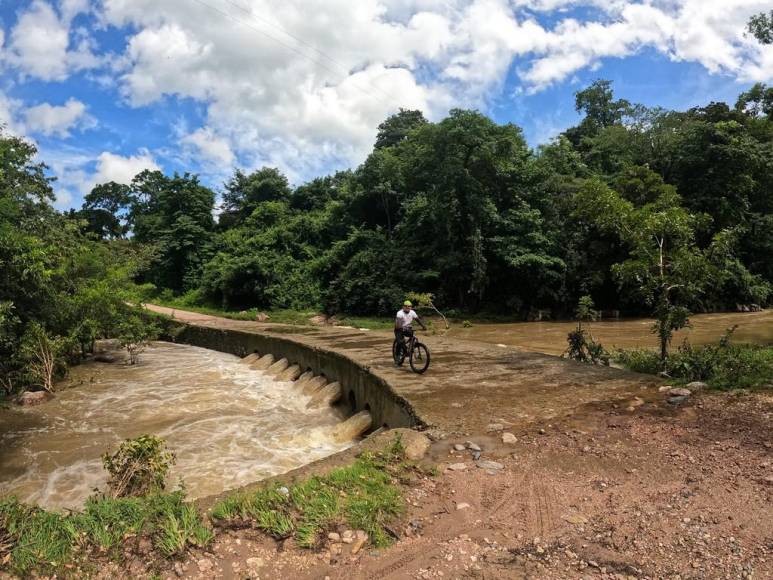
(363, 496)
(139, 467)
(582, 347)
(36, 540)
(61, 288)
(722, 366)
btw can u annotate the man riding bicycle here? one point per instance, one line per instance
(404, 321)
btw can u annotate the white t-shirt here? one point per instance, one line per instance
(406, 318)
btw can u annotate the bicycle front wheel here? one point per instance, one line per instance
(419, 358)
(398, 352)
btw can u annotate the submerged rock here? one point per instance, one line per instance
(509, 439)
(30, 398)
(106, 358)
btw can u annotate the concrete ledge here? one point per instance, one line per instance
(362, 389)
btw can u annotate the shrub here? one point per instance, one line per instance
(134, 334)
(139, 467)
(723, 365)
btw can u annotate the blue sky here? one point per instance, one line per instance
(106, 88)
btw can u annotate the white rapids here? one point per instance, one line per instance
(228, 424)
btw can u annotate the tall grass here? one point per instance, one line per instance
(36, 540)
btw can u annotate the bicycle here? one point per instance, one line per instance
(417, 352)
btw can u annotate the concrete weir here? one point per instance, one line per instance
(468, 388)
(329, 377)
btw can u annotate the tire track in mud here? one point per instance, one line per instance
(523, 500)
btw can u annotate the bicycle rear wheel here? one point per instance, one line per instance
(419, 358)
(398, 353)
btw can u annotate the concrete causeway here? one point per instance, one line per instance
(469, 386)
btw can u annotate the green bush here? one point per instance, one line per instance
(139, 467)
(723, 365)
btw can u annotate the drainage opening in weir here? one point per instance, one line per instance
(352, 401)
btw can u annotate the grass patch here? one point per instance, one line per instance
(36, 540)
(364, 495)
(722, 366)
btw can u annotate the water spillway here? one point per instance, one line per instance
(228, 423)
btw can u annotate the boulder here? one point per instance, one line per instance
(30, 398)
(697, 386)
(106, 358)
(318, 320)
(509, 439)
(261, 317)
(416, 445)
(679, 392)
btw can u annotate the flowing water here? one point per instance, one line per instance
(550, 337)
(228, 425)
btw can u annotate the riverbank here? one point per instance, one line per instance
(665, 493)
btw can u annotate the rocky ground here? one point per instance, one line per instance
(645, 491)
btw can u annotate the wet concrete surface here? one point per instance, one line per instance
(469, 385)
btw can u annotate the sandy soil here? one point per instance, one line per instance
(653, 493)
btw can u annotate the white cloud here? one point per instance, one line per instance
(49, 119)
(39, 43)
(307, 93)
(210, 148)
(9, 109)
(112, 167)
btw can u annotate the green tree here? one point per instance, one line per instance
(397, 127)
(761, 27)
(244, 192)
(666, 268)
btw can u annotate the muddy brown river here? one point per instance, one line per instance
(550, 337)
(227, 424)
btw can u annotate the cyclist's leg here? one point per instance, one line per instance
(399, 338)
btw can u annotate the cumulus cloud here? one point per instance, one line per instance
(303, 84)
(307, 93)
(121, 169)
(40, 44)
(210, 148)
(56, 120)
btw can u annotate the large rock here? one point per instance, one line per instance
(697, 386)
(416, 445)
(261, 317)
(29, 398)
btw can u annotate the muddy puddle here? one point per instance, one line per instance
(550, 337)
(227, 424)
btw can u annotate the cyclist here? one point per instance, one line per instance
(404, 321)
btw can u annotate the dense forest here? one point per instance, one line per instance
(636, 207)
